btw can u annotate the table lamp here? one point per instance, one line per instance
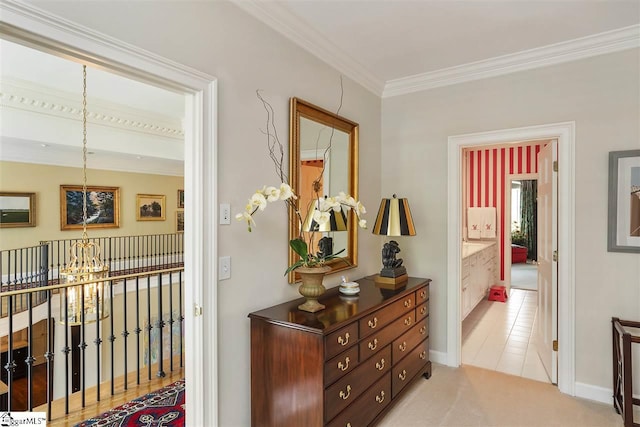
(394, 219)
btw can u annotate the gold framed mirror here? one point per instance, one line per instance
(323, 147)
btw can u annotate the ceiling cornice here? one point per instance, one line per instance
(286, 23)
(282, 20)
(585, 47)
(40, 99)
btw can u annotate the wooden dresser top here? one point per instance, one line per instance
(339, 308)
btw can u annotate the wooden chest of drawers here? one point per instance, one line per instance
(343, 366)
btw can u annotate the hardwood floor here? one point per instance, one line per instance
(19, 399)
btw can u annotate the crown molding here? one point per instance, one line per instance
(279, 18)
(585, 47)
(39, 99)
(26, 24)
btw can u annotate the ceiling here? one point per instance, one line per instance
(389, 45)
(41, 100)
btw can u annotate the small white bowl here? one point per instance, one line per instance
(350, 285)
(349, 291)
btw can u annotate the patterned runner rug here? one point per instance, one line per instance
(162, 408)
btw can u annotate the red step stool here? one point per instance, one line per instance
(498, 293)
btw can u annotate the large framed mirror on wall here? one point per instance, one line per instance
(323, 148)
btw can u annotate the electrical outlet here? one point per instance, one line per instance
(224, 267)
(225, 213)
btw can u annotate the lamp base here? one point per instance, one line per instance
(393, 272)
(391, 282)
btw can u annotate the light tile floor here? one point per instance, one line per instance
(498, 336)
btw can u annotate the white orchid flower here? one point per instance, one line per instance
(246, 216)
(286, 192)
(351, 202)
(341, 197)
(321, 217)
(360, 209)
(321, 214)
(329, 203)
(272, 194)
(259, 201)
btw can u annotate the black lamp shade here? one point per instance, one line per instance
(394, 218)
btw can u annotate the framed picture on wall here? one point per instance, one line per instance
(624, 201)
(181, 198)
(150, 207)
(103, 207)
(17, 209)
(180, 221)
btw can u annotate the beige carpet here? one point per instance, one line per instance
(470, 396)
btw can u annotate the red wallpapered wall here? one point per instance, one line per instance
(486, 173)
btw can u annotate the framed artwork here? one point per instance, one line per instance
(103, 207)
(17, 209)
(181, 198)
(180, 221)
(624, 201)
(150, 207)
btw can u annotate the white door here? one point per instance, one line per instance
(547, 319)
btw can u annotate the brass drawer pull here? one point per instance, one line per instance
(407, 303)
(423, 310)
(403, 346)
(373, 323)
(423, 294)
(423, 355)
(380, 397)
(345, 366)
(348, 425)
(402, 375)
(423, 330)
(407, 321)
(373, 344)
(345, 396)
(380, 365)
(345, 340)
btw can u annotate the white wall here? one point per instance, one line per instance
(601, 95)
(221, 40)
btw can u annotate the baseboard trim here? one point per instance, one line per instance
(592, 392)
(438, 357)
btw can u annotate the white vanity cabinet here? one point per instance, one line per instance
(479, 273)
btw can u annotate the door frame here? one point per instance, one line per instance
(28, 25)
(564, 132)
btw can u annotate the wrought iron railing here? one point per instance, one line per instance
(125, 254)
(23, 268)
(146, 306)
(146, 314)
(40, 265)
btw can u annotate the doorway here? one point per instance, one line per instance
(499, 335)
(523, 233)
(27, 25)
(565, 135)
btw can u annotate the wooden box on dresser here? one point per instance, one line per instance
(342, 366)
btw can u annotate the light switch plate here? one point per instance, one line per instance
(225, 213)
(224, 267)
